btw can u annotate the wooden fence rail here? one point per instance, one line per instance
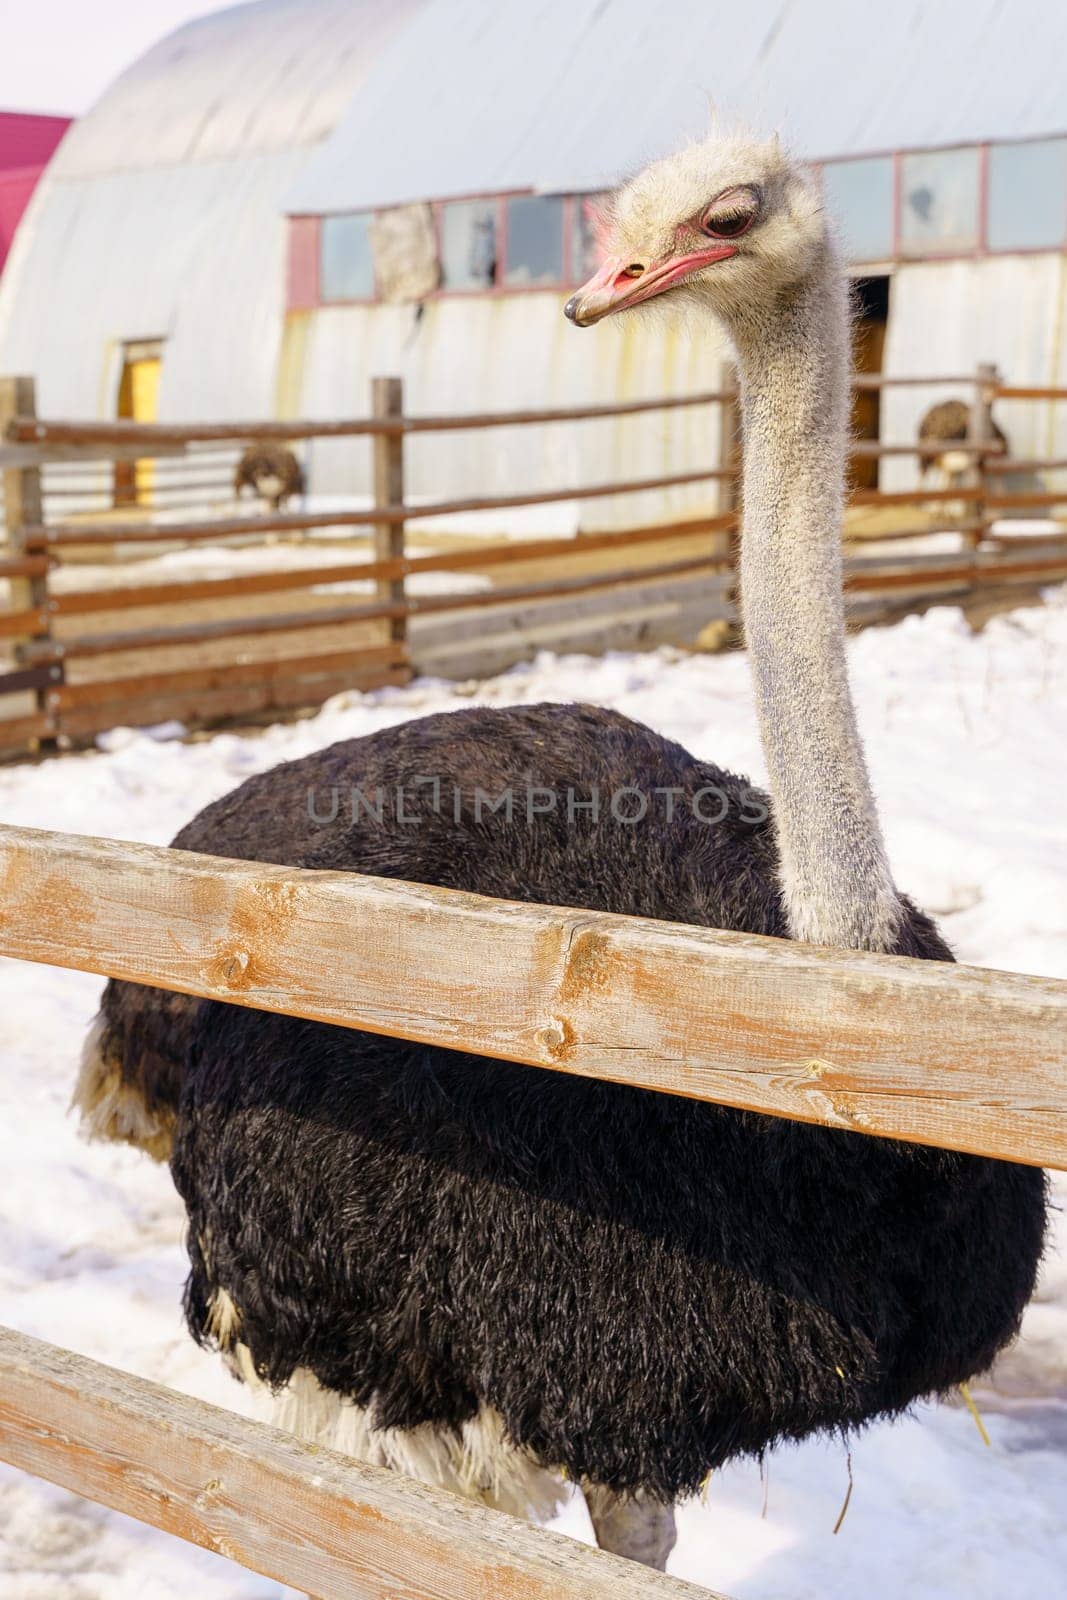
(31, 430)
(64, 650)
(956, 1056)
(65, 534)
(324, 1523)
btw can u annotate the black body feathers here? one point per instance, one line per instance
(643, 1286)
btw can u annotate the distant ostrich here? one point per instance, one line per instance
(271, 471)
(489, 1275)
(949, 422)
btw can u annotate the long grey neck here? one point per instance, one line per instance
(835, 876)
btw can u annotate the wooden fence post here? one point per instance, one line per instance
(980, 431)
(387, 402)
(730, 486)
(24, 508)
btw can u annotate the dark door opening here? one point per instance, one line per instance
(871, 300)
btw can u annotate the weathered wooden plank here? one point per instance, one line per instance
(62, 533)
(22, 507)
(302, 1515)
(886, 380)
(30, 678)
(28, 430)
(1005, 502)
(56, 454)
(24, 567)
(638, 617)
(939, 1054)
(136, 436)
(1008, 464)
(874, 449)
(338, 616)
(128, 597)
(927, 572)
(387, 452)
(1008, 391)
(23, 624)
(907, 497)
(239, 697)
(335, 663)
(17, 734)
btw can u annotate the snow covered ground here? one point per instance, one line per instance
(968, 743)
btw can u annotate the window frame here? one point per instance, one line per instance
(954, 252)
(498, 286)
(981, 247)
(1023, 249)
(374, 298)
(306, 231)
(437, 207)
(505, 266)
(818, 169)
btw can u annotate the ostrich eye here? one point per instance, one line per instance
(730, 215)
(729, 225)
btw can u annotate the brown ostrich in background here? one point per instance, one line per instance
(948, 423)
(271, 471)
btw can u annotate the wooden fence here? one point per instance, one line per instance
(324, 1523)
(953, 1056)
(88, 657)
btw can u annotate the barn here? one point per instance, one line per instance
(285, 198)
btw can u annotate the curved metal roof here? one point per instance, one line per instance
(251, 79)
(416, 98)
(477, 96)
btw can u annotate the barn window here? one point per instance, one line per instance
(346, 270)
(468, 244)
(534, 240)
(586, 251)
(1027, 195)
(860, 195)
(939, 202)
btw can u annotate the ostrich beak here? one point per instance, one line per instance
(618, 284)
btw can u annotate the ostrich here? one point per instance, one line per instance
(949, 422)
(495, 1277)
(271, 471)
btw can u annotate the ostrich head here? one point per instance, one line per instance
(725, 226)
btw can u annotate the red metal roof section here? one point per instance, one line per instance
(27, 142)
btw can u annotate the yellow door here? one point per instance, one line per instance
(138, 402)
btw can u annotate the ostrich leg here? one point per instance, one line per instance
(628, 1525)
(631, 1525)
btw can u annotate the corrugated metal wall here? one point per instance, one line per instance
(193, 255)
(502, 353)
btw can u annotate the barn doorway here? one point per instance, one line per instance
(138, 401)
(871, 298)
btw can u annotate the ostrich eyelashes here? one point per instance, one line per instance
(731, 215)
